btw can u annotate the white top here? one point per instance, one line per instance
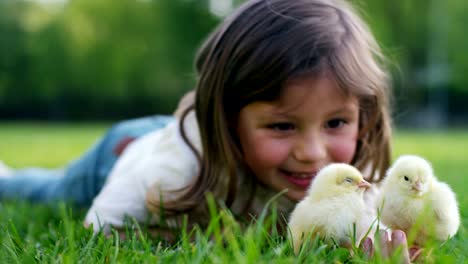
(161, 157)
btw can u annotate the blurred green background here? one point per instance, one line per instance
(110, 60)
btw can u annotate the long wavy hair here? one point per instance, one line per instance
(251, 57)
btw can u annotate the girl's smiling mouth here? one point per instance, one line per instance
(299, 179)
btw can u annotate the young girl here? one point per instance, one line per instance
(284, 88)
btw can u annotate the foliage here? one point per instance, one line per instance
(98, 59)
(84, 59)
(424, 42)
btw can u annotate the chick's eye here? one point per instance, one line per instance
(406, 178)
(349, 179)
(335, 123)
(281, 126)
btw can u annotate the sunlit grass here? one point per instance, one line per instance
(37, 233)
(46, 144)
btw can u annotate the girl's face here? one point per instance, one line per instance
(286, 142)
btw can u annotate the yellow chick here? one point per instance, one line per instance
(411, 194)
(334, 202)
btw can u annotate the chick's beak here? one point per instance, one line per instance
(417, 186)
(364, 184)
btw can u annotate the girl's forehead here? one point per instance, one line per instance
(317, 90)
(309, 97)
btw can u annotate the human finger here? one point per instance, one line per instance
(400, 243)
(368, 247)
(384, 242)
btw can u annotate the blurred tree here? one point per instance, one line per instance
(425, 39)
(14, 59)
(98, 59)
(400, 27)
(87, 59)
(457, 42)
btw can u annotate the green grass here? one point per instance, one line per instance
(46, 144)
(37, 233)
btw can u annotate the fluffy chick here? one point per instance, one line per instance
(412, 194)
(334, 202)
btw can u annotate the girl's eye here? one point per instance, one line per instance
(281, 126)
(335, 123)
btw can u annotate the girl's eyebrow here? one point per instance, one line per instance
(274, 114)
(344, 109)
(277, 112)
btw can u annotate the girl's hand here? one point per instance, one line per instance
(390, 243)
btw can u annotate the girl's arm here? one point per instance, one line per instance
(159, 158)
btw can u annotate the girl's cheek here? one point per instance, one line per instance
(343, 151)
(267, 152)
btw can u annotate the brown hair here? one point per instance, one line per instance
(255, 52)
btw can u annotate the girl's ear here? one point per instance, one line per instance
(188, 100)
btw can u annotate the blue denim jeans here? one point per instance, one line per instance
(81, 180)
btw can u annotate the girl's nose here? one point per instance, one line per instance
(311, 148)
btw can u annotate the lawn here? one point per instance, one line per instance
(37, 233)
